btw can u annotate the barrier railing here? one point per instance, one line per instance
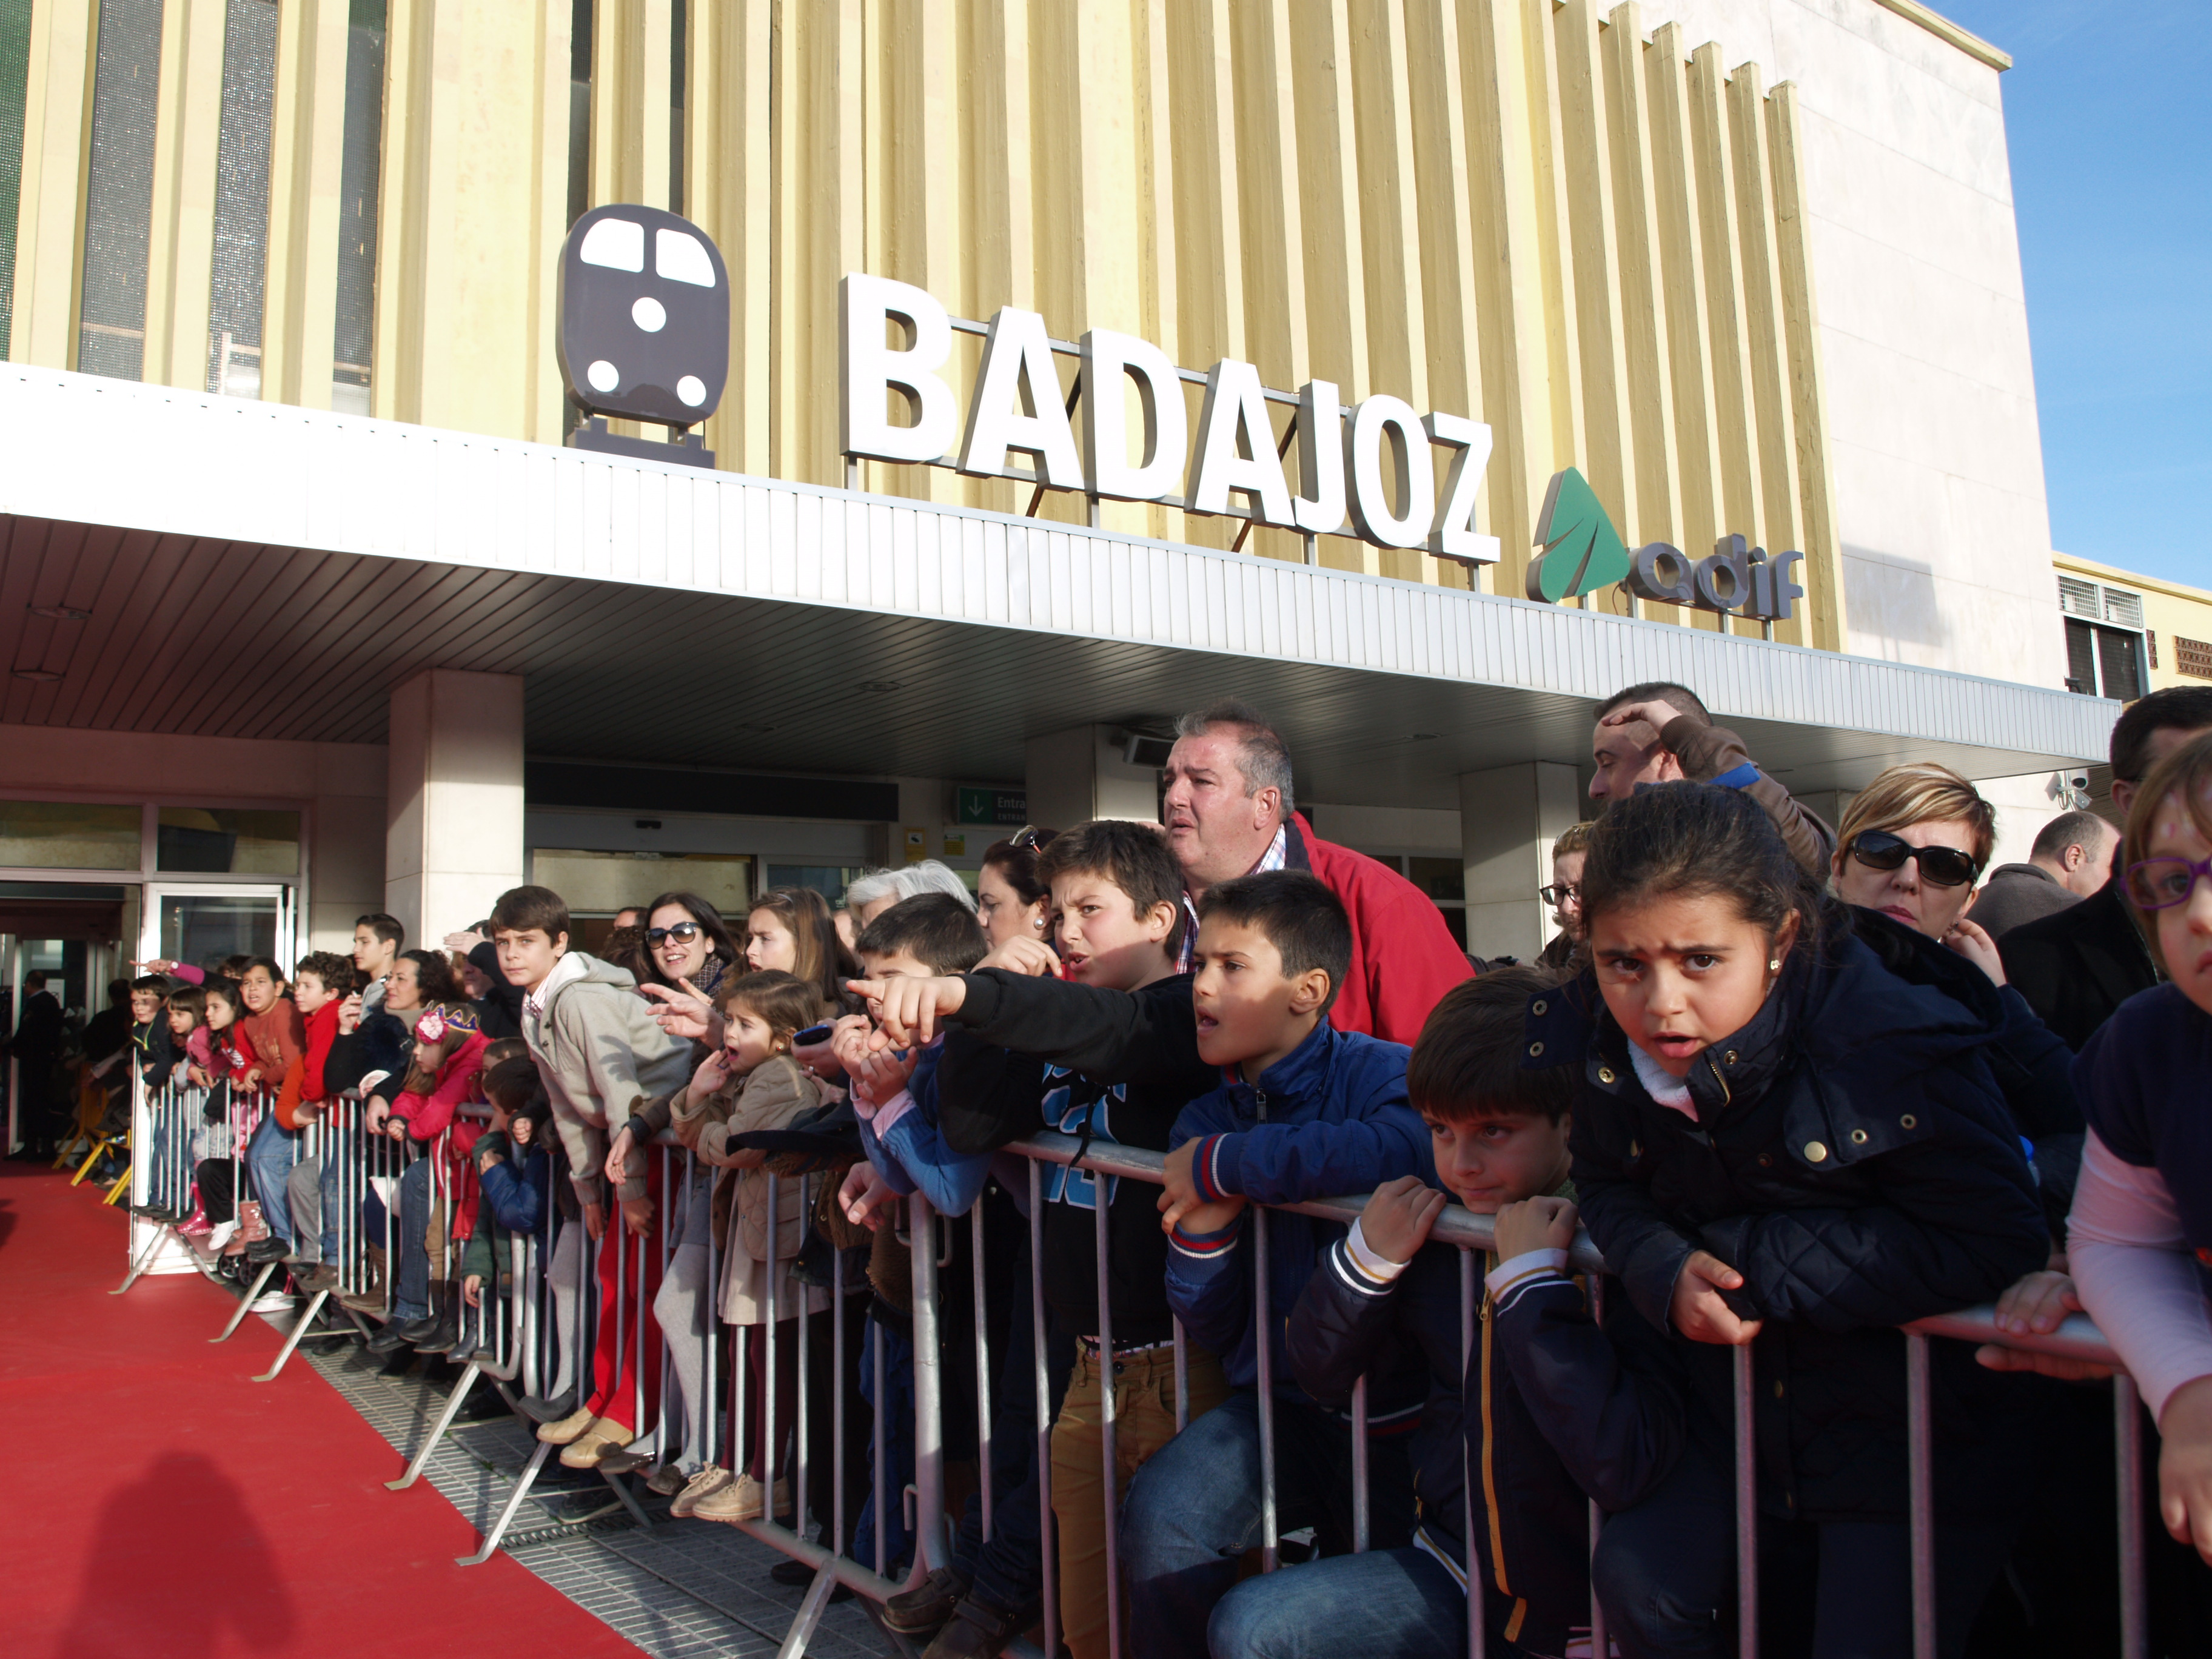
(580, 1313)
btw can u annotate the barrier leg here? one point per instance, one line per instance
(145, 1260)
(314, 1307)
(508, 1511)
(809, 1617)
(1746, 1513)
(121, 1184)
(453, 1403)
(90, 1158)
(246, 1302)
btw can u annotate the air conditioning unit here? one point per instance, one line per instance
(1145, 749)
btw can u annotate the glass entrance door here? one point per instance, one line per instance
(199, 924)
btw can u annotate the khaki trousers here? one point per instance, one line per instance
(1143, 1421)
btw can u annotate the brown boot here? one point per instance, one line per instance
(369, 1298)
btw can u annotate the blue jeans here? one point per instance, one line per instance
(895, 1416)
(410, 1297)
(269, 1157)
(1403, 1604)
(1195, 1509)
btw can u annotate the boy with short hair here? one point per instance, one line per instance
(601, 1054)
(1109, 1054)
(151, 1051)
(378, 940)
(1303, 1111)
(320, 985)
(1564, 1415)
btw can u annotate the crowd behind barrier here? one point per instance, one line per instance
(642, 1275)
(521, 1352)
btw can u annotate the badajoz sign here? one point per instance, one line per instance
(1370, 463)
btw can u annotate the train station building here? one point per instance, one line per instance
(312, 607)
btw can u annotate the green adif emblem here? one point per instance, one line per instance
(1582, 552)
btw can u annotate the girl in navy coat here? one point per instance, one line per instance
(1781, 1143)
(2140, 1242)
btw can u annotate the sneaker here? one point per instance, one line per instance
(711, 1479)
(562, 1431)
(921, 1612)
(741, 1501)
(275, 1303)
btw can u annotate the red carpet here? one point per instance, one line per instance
(160, 1505)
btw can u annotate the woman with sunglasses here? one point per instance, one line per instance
(1912, 845)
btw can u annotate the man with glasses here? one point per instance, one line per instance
(1564, 896)
(2077, 967)
(1660, 733)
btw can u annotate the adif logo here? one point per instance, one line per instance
(645, 316)
(1583, 552)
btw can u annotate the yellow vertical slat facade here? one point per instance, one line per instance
(1527, 211)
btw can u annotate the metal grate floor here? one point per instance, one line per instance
(685, 1589)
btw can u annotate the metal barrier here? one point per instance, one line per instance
(543, 1333)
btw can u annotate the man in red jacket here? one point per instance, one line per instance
(1228, 812)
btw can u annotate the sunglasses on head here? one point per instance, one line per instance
(683, 933)
(1031, 839)
(1940, 866)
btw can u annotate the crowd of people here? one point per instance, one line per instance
(1801, 1084)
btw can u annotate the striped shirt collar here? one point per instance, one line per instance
(1275, 858)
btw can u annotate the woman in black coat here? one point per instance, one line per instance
(1781, 1143)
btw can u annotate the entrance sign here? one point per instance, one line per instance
(1583, 552)
(1374, 466)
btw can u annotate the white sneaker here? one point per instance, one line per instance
(276, 1303)
(216, 1238)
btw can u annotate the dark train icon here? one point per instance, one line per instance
(645, 316)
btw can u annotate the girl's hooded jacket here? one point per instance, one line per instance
(774, 1095)
(1851, 1155)
(460, 1080)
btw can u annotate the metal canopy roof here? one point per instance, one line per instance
(255, 570)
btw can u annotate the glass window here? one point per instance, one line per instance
(56, 835)
(204, 930)
(224, 840)
(600, 883)
(1440, 878)
(830, 880)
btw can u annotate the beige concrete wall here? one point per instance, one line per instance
(339, 785)
(454, 820)
(1923, 329)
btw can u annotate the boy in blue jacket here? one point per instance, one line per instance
(1545, 1410)
(1303, 1112)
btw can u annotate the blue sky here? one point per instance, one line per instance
(2110, 129)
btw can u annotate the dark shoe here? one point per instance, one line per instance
(979, 1630)
(538, 1409)
(264, 1251)
(160, 1213)
(325, 1278)
(414, 1330)
(391, 1339)
(798, 1575)
(442, 1335)
(923, 1610)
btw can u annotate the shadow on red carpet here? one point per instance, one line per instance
(162, 1504)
